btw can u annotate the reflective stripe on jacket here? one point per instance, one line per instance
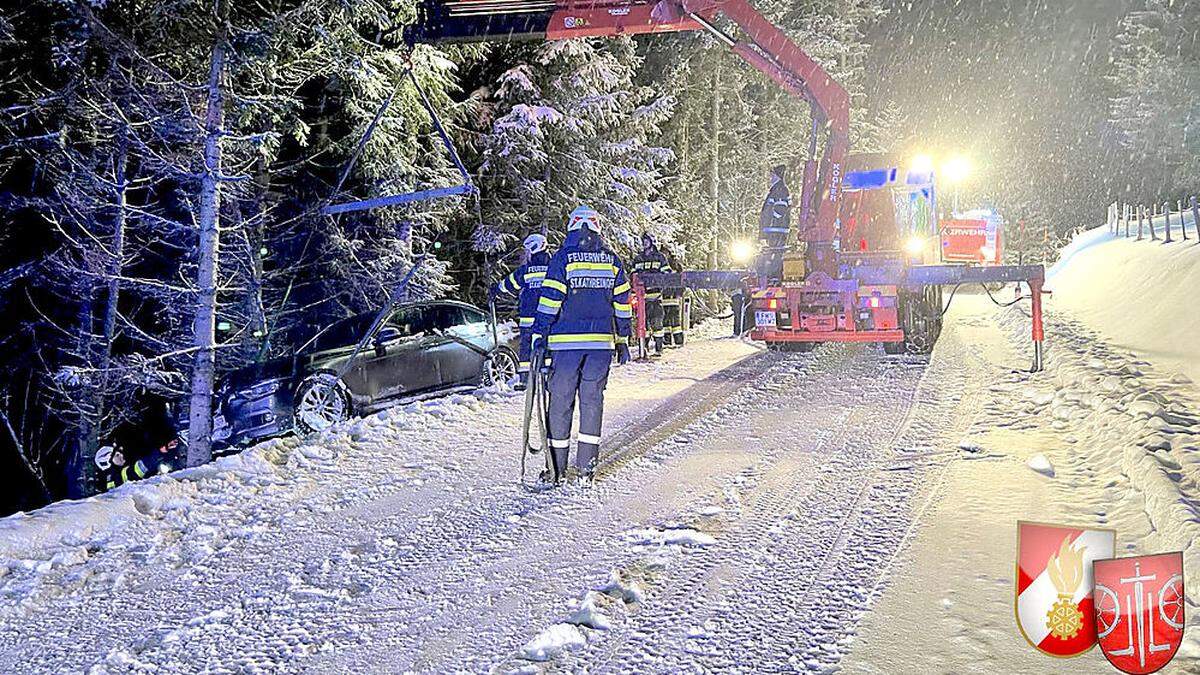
(525, 284)
(651, 262)
(585, 296)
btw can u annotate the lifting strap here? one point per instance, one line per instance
(466, 187)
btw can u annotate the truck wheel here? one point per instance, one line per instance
(920, 317)
(894, 348)
(322, 400)
(799, 347)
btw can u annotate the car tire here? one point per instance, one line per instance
(500, 368)
(322, 400)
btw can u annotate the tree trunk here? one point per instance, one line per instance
(714, 185)
(203, 326)
(86, 480)
(77, 469)
(255, 341)
(118, 262)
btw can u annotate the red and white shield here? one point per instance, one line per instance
(1139, 606)
(1054, 585)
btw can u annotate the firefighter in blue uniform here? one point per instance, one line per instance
(120, 471)
(582, 316)
(652, 261)
(525, 284)
(672, 302)
(774, 223)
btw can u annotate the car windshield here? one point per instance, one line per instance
(342, 333)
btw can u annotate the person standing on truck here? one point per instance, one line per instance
(584, 301)
(774, 225)
(525, 284)
(673, 305)
(652, 261)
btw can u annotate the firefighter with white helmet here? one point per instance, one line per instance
(525, 284)
(583, 315)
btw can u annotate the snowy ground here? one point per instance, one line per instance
(1140, 295)
(1102, 438)
(764, 512)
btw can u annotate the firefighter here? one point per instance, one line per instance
(151, 433)
(525, 284)
(652, 261)
(584, 301)
(672, 302)
(119, 471)
(774, 223)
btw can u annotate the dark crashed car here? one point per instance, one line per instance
(419, 350)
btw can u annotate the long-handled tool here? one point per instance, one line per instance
(535, 436)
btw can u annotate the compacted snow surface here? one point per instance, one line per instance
(756, 512)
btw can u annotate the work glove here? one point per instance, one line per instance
(622, 353)
(537, 351)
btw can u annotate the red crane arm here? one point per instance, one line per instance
(766, 48)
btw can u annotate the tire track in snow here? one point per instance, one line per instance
(769, 621)
(804, 489)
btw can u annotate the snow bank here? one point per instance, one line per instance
(189, 516)
(1122, 418)
(1141, 295)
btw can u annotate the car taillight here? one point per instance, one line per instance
(773, 304)
(875, 302)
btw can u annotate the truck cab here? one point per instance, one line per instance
(887, 222)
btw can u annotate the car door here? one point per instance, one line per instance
(333, 351)
(402, 362)
(468, 343)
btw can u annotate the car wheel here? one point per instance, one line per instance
(322, 400)
(500, 367)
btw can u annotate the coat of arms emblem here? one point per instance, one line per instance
(1139, 605)
(1054, 585)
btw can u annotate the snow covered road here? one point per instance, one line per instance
(763, 512)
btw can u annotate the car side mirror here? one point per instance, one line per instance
(384, 336)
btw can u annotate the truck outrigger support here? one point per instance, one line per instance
(914, 277)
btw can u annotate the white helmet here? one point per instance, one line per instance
(104, 457)
(584, 216)
(535, 243)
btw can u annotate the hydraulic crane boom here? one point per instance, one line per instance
(890, 295)
(765, 47)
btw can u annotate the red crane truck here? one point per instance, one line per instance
(870, 269)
